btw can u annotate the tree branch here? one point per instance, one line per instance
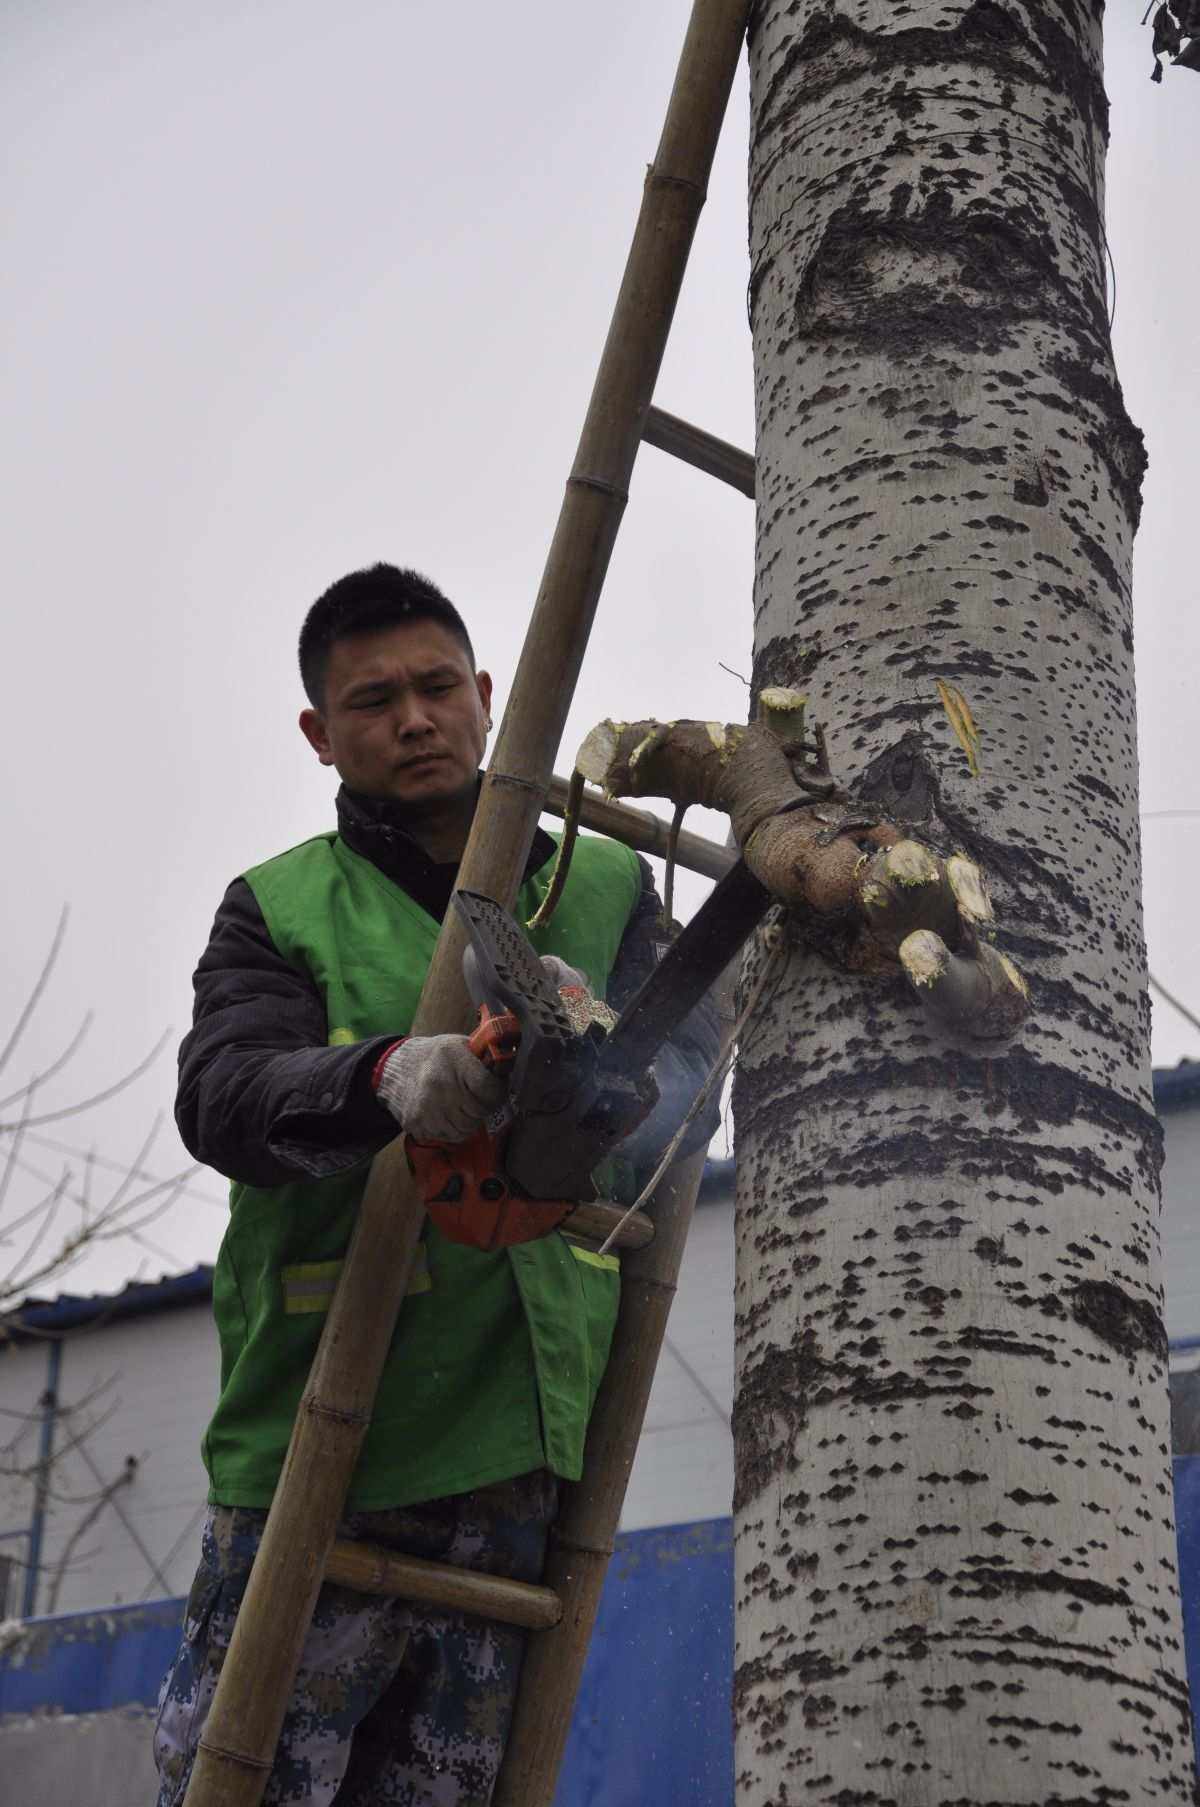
(832, 855)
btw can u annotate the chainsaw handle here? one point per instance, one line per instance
(497, 1038)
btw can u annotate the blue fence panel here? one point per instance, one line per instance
(653, 1721)
(90, 1662)
(1187, 1527)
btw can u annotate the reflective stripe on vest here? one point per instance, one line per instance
(611, 1263)
(309, 1285)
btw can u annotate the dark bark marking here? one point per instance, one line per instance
(1007, 261)
(805, 1666)
(1116, 440)
(991, 1250)
(1132, 1326)
(902, 781)
(1003, 1342)
(1035, 1091)
(986, 36)
(783, 1386)
(985, 1582)
(1031, 488)
(789, 661)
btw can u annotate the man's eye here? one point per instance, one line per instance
(438, 689)
(371, 702)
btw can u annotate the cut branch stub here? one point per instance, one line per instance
(981, 994)
(781, 713)
(906, 887)
(929, 913)
(832, 856)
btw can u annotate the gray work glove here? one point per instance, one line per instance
(562, 974)
(437, 1089)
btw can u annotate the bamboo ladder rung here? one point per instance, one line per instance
(370, 1569)
(703, 450)
(596, 1222)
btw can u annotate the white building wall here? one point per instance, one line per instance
(144, 1387)
(684, 1466)
(23, 1370)
(140, 1387)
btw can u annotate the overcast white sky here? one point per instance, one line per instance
(291, 288)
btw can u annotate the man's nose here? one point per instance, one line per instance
(412, 718)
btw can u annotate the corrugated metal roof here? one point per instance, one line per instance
(69, 1311)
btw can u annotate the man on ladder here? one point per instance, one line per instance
(296, 1072)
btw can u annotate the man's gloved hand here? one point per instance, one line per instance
(562, 974)
(436, 1088)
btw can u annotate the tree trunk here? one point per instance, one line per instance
(956, 1576)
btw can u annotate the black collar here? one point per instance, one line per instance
(374, 827)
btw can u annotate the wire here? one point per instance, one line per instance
(1112, 264)
(716, 1075)
(1149, 815)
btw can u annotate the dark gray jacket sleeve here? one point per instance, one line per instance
(261, 1097)
(683, 1064)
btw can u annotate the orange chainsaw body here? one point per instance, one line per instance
(463, 1184)
(469, 1199)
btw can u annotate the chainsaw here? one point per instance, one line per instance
(575, 1088)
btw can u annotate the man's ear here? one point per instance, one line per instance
(312, 726)
(483, 684)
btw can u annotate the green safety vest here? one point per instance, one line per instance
(496, 1358)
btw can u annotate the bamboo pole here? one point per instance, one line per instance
(237, 1749)
(236, 1752)
(515, 786)
(582, 1541)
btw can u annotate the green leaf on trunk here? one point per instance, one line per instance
(958, 712)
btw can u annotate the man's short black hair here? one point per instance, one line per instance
(382, 596)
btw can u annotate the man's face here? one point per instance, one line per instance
(404, 715)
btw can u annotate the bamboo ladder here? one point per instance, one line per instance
(299, 1549)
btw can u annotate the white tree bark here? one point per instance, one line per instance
(955, 1545)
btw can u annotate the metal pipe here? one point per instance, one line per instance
(642, 830)
(41, 1486)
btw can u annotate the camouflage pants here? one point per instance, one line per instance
(394, 1705)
